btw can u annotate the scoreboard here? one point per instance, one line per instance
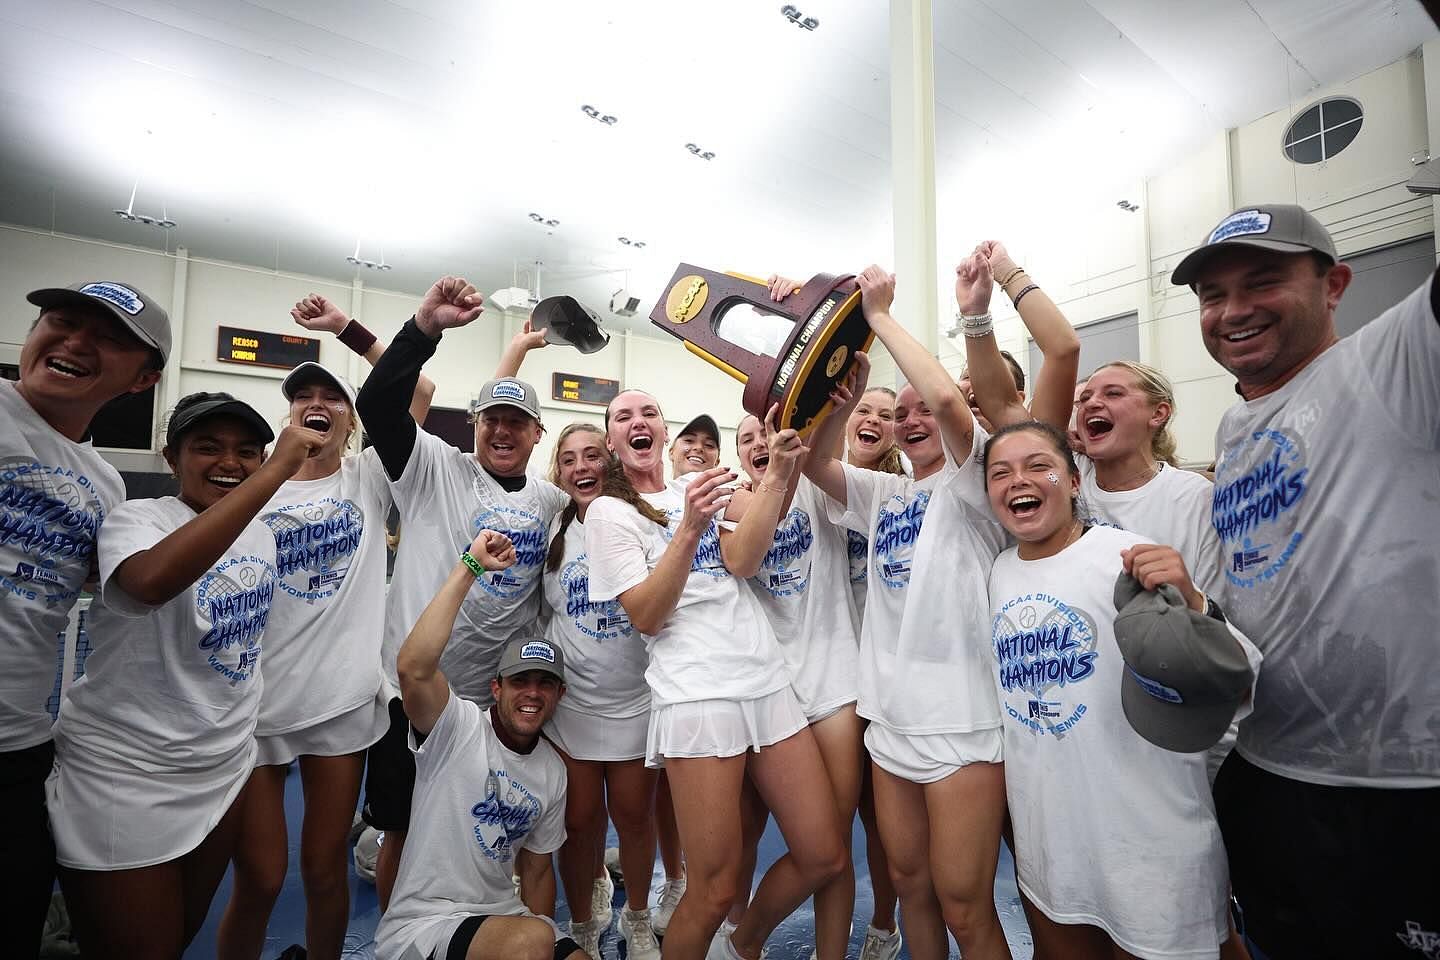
(260, 348)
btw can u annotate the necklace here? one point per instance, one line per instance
(1132, 482)
(1076, 529)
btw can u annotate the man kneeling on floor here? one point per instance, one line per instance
(489, 795)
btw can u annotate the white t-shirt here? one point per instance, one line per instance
(605, 657)
(322, 650)
(54, 494)
(1326, 504)
(923, 660)
(1172, 507)
(857, 547)
(1110, 829)
(476, 804)
(801, 585)
(716, 644)
(445, 498)
(173, 687)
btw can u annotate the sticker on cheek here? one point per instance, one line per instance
(1052, 478)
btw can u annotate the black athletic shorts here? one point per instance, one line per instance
(460, 942)
(390, 775)
(1322, 871)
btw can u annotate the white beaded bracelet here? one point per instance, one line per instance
(977, 326)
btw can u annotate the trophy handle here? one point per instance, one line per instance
(697, 298)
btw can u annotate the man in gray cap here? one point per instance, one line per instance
(489, 792)
(445, 496)
(1325, 506)
(91, 343)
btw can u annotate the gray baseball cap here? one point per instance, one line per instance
(1185, 673)
(1283, 227)
(124, 301)
(312, 372)
(702, 424)
(507, 392)
(531, 653)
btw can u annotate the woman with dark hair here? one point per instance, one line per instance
(599, 727)
(721, 704)
(155, 743)
(1117, 848)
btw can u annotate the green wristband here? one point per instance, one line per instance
(473, 564)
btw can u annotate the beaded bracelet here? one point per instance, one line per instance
(977, 326)
(1011, 276)
(1021, 295)
(473, 564)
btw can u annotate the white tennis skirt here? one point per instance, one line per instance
(107, 814)
(585, 736)
(930, 758)
(722, 728)
(349, 732)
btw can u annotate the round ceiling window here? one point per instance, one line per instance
(1323, 130)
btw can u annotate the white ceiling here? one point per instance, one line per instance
(282, 132)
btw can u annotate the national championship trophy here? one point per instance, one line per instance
(818, 352)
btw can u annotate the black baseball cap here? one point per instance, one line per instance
(214, 405)
(702, 424)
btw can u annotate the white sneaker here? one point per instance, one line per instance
(670, 895)
(721, 948)
(602, 901)
(612, 864)
(640, 942)
(587, 937)
(881, 944)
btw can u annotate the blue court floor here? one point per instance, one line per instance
(792, 941)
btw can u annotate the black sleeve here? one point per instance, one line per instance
(384, 399)
(1435, 294)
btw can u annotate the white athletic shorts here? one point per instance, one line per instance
(584, 736)
(722, 728)
(350, 732)
(929, 758)
(109, 814)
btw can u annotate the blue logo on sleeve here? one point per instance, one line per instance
(897, 528)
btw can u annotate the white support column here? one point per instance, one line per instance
(170, 383)
(357, 369)
(912, 168)
(1430, 59)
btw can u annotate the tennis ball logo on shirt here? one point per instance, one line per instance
(528, 533)
(1043, 646)
(1258, 482)
(785, 570)
(49, 516)
(504, 817)
(313, 546)
(897, 527)
(708, 559)
(599, 621)
(234, 599)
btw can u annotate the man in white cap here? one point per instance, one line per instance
(445, 496)
(91, 343)
(1326, 507)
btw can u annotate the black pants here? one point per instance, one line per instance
(27, 850)
(1343, 872)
